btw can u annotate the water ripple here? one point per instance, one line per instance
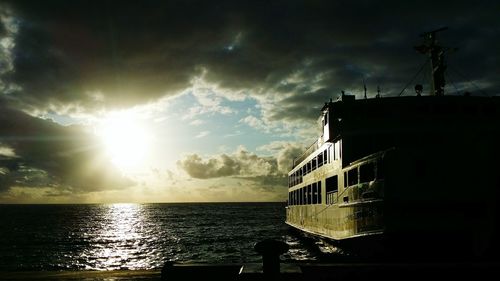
(138, 236)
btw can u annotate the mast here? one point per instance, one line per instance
(437, 63)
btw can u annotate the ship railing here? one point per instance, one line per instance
(332, 197)
(307, 152)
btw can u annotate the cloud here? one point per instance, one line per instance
(41, 153)
(265, 173)
(7, 152)
(8, 32)
(254, 122)
(292, 55)
(207, 106)
(286, 58)
(285, 153)
(241, 163)
(202, 134)
(197, 122)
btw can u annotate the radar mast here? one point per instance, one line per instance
(437, 62)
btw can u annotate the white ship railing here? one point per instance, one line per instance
(307, 152)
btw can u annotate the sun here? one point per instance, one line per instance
(126, 139)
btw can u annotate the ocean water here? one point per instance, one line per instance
(140, 236)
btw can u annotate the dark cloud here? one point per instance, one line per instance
(41, 153)
(3, 31)
(118, 53)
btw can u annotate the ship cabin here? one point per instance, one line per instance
(356, 134)
(327, 167)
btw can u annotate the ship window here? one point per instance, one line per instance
(352, 176)
(345, 179)
(309, 167)
(367, 172)
(304, 195)
(319, 192)
(313, 163)
(320, 160)
(309, 194)
(334, 152)
(301, 196)
(332, 184)
(315, 193)
(337, 152)
(325, 156)
(304, 172)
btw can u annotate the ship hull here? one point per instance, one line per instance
(423, 210)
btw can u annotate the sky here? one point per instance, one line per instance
(204, 101)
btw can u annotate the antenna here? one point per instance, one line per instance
(364, 86)
(378, 91)
(436, 55)
(433, 33)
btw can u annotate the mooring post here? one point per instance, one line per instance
(271, 250)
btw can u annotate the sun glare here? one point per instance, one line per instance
(125, 138)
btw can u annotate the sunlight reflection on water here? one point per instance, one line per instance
(139, 236)
(117, 244)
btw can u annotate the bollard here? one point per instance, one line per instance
(271, 250)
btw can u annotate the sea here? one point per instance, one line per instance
(142, 236)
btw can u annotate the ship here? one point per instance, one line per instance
(404, 176)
